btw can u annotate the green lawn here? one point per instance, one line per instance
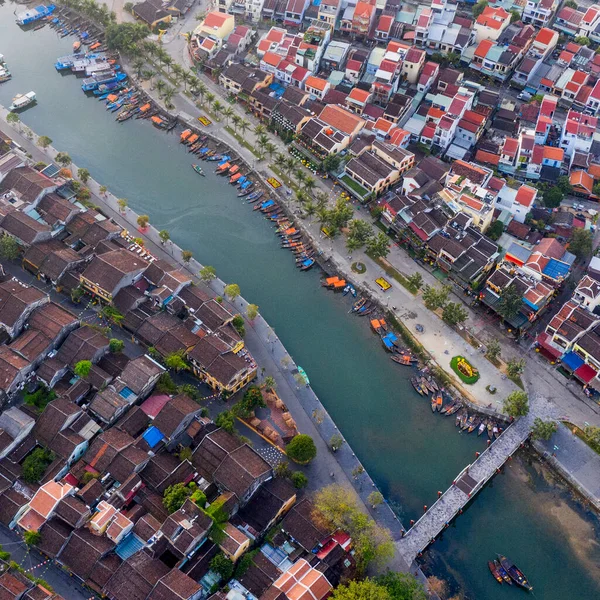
(359, 189)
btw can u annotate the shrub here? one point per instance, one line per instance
(223, 566)
(32, 538)
(301, 449)
(35, 465)
(466, 372)
(299, 480)
(175, 495)
(116, 345)
(166, 385)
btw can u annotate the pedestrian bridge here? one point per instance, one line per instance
(463, 489)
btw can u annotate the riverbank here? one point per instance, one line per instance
(263, 344)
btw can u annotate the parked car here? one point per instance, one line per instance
(525, 96)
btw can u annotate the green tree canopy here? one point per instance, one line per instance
(510, 302)
(32, 538)
(83, 174)
(44, 141)
(301, 449)
(415, 280)
(368, 589)
(125, 36)
(164, 236)
(232, 291)
(543, 430)
(454, 313)
(331, 162)
(252, 312)
(223, 566)
(359, 232)
(515, 367)
(251, 400)
(493, 350)
(402, 586)
(581, 244)
(116, 345)
(143, 221)
(375, 499)
(378, 246)
(495, 230)
(435, 298)
(552, 197)
(299, 480)
(516, 404)
(238, 324)
(9, 247)
(186, 256)
(226, 419)
(176, 361)
(175, 495)
(479, 8)
(82, 368)
(35, 465)
(207, 273)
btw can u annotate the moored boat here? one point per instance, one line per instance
(482, 427)
(439, 401)
(22, 101)
(494, 571)
(198, 170)
(453, 408)
(505, 576)
(515, 573)
(417, 385)
(474, 424)
(461, 416)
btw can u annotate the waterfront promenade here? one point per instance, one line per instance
(266, 348)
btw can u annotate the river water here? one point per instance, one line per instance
(409, 452)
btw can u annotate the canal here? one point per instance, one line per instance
(409, 452)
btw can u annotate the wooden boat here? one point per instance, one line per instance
(417, 385)
(494, 571)
(505, 576)
(467, 422)
(433, 403)
(490, 427)
(448, 406)
(307, 264)
(461, 416)
(185, 135)
(453, 408)
(482, 427)
(497, 431)
(234, 178)
(403, 359)
(474, 425)
(76, 45)
(427, 384)
(515, 573)
(439, 401)
(358, 304)
(198, 170)
(433, 382)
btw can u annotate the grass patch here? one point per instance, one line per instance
(407, 336)
(466, 372)
(580, 433)
(517, 380)
(353, 185)
(287, 180)
(394, 274)
(358, 267)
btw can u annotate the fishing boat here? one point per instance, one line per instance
(304, 376)
(505, 576)
(467, 422)
(494, 571)
(427, 384)
(4, 74)
(453, 408)
(439, 401)
(222, 168)
(198, 170)
(404, 359)
(482, 427)
(448, 407)
(76, 45)
(473, 425)
(22, 101)
(417, 385)
(461, 416)
(433, 403)
(234, 169)
(358, 304)
(307, 264)
(515, 573)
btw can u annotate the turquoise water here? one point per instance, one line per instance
(408, 451)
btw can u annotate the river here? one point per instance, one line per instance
(408, 451)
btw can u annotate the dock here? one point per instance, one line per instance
(466, 485)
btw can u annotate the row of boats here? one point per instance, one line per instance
(505, 571)
(85, 36)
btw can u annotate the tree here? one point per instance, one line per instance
(593, 437)
(251, 400)
(564, 185)
(225, 420)
(493, 350)
(128, 6)
(238, 324)
(402, 586)
(552, 197)
(125, 36)
(379, 246)
(232, 291)
(44, 141)
(359, 232)
(116, 345)
(479, 8)
(299, 480)
(582, 40)
(415, 280)
(516, 404)
(32, 538)
(175, 361)
(336, 442)
(454, 313)
(12, 118)
(375, 499)
(164, 236)
(367, 589)
(515, 368)
(252, 311)
(62, 158)
(165, 384)
(543, 430)
(185, 454)
(270, 383)
(9, 247)
(331, 163)
(223, 566)
(515, 15)
(122, 203)
(35, 465)
(570, 4)
(189, 389)
(582, 243)
(143, 221)
(82, 368)
(301, 449)
(435, 298)
(83, 174)
(175, 495)
(510, 302)
(103, 190)
(495, 230)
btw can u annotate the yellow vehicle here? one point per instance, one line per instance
(275, 183)
(384, 284)
(205, 121)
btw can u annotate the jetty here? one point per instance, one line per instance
(466, 485)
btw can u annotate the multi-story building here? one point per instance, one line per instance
(539, 12)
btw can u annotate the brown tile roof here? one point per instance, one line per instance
(15, 300)
(51, 319)
(83, 550)
(71, 510)
(55, 533)
(174, 412)
(175, 585)
(211, 451)
(299, 524)
(164, 470)
(27, 182)
(107, 404)
(240, 469)
(107, 270)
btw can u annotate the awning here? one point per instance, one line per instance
(543, 342)
(585, 373)
(572, 361)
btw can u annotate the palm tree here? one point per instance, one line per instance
(217, 108)
(148, 74)
(309, 184)
(280, 161)
(290, 165)
(160, 86)
(310, 208)
(168, 61)
(300, 176)
(202, 90)
(301, 196)
(244, 126)
(161, 55)
(210, 98)
(186, 78)
(138, 65)
(169, 93)
(235, 120)
(227, 113)
(178, 72)
(270, 149)
(260, 130)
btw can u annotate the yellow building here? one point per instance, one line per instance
(216, 25)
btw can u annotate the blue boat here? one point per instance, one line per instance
(307, 264)
(66, 62)
(35, 14)
(241, 180)
(93, 83)
(106, 89)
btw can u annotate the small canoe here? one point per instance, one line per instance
(185, 135)
(494, 571)
(433, 403)
(454, 408)
(439, 401)
(448, 407)
(198, 170)
(462, 414)
(416, 385)
(482, 427)
(505, 576)
(473, 425)
(467, 422)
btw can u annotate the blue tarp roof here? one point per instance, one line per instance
(126, 393)
(129, 546)
(153, 436)
(572, 360)
(556, 269)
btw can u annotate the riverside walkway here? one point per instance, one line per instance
(463, 489)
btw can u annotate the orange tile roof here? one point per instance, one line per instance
(582, 179)
(594, 170)
(216, 19)
(435, 113)
(526, 195)
(48, 496)
(359, 95)
(340, 118)
(472, 202)
(316, 83)
(483, 48)
(544, 36)
(552, 153)
(383, 124)
(487, 157)
(272, 59)
(493, 18)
